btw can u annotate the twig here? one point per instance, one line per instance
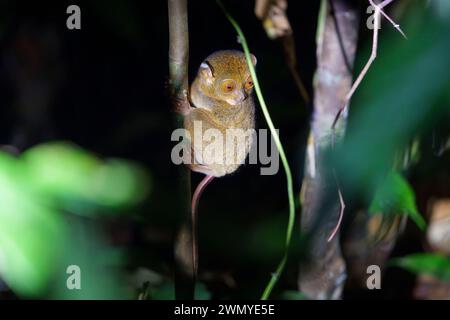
(377, 15)
(341, 213)
(275, 21)
(178, 80)
(288, 44)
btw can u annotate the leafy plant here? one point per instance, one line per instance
(395, 196)
(425, 263)
(36, 242)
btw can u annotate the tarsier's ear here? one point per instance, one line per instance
(254, 60)
(207, 70)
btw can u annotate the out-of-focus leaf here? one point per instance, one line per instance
(164, 292)
(99, 266)
(82, 182)
(389, 109)
(35, 244)
(395, 196)
(201, 292)
(442, 8)
(31, 233)
(119, 183)
(426, 263)
(292, 295)
(61, 169)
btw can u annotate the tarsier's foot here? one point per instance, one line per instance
(202, 169)
(181, 106)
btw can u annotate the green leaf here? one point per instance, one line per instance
(293, 295)
(100, 265)
(82, 182)
(119, 183)
(425, 263)
(31, 233)
(389, 109)
(61, 169)
(164, 292)
(35, 242)
(201, 292)
(395, 196)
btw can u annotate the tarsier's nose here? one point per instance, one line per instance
(244, 95)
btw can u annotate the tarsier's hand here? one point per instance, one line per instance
(181, 105)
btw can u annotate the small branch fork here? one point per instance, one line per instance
(341, 212)
(377, 15)
(377, 18)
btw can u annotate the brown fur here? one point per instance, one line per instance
(221, 110)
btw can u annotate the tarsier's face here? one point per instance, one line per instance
(226, 76)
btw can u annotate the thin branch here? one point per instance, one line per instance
(178, 47)
(366, 68)
(288, 44)
(178, 80)
(377, 17)
(273, 14)
(341, 213)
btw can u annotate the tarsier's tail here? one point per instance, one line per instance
(198, 192)
(194, 205)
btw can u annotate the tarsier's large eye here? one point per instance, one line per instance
(249, 83)
(228, 86)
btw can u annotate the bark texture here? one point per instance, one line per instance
(323, 277)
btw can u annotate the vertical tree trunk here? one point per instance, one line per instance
(178, 80)
(324, 276)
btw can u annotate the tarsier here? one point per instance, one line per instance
(221, 98)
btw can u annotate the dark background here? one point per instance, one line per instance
(104, 88)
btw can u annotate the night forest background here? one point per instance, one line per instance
(81, 104)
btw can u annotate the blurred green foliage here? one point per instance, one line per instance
(37, 242)
(31, 232)
(72, 176)
(426, 263)
(293, 295)
(404, 94)
(396, 197)
(52, 195)
(101, 266)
